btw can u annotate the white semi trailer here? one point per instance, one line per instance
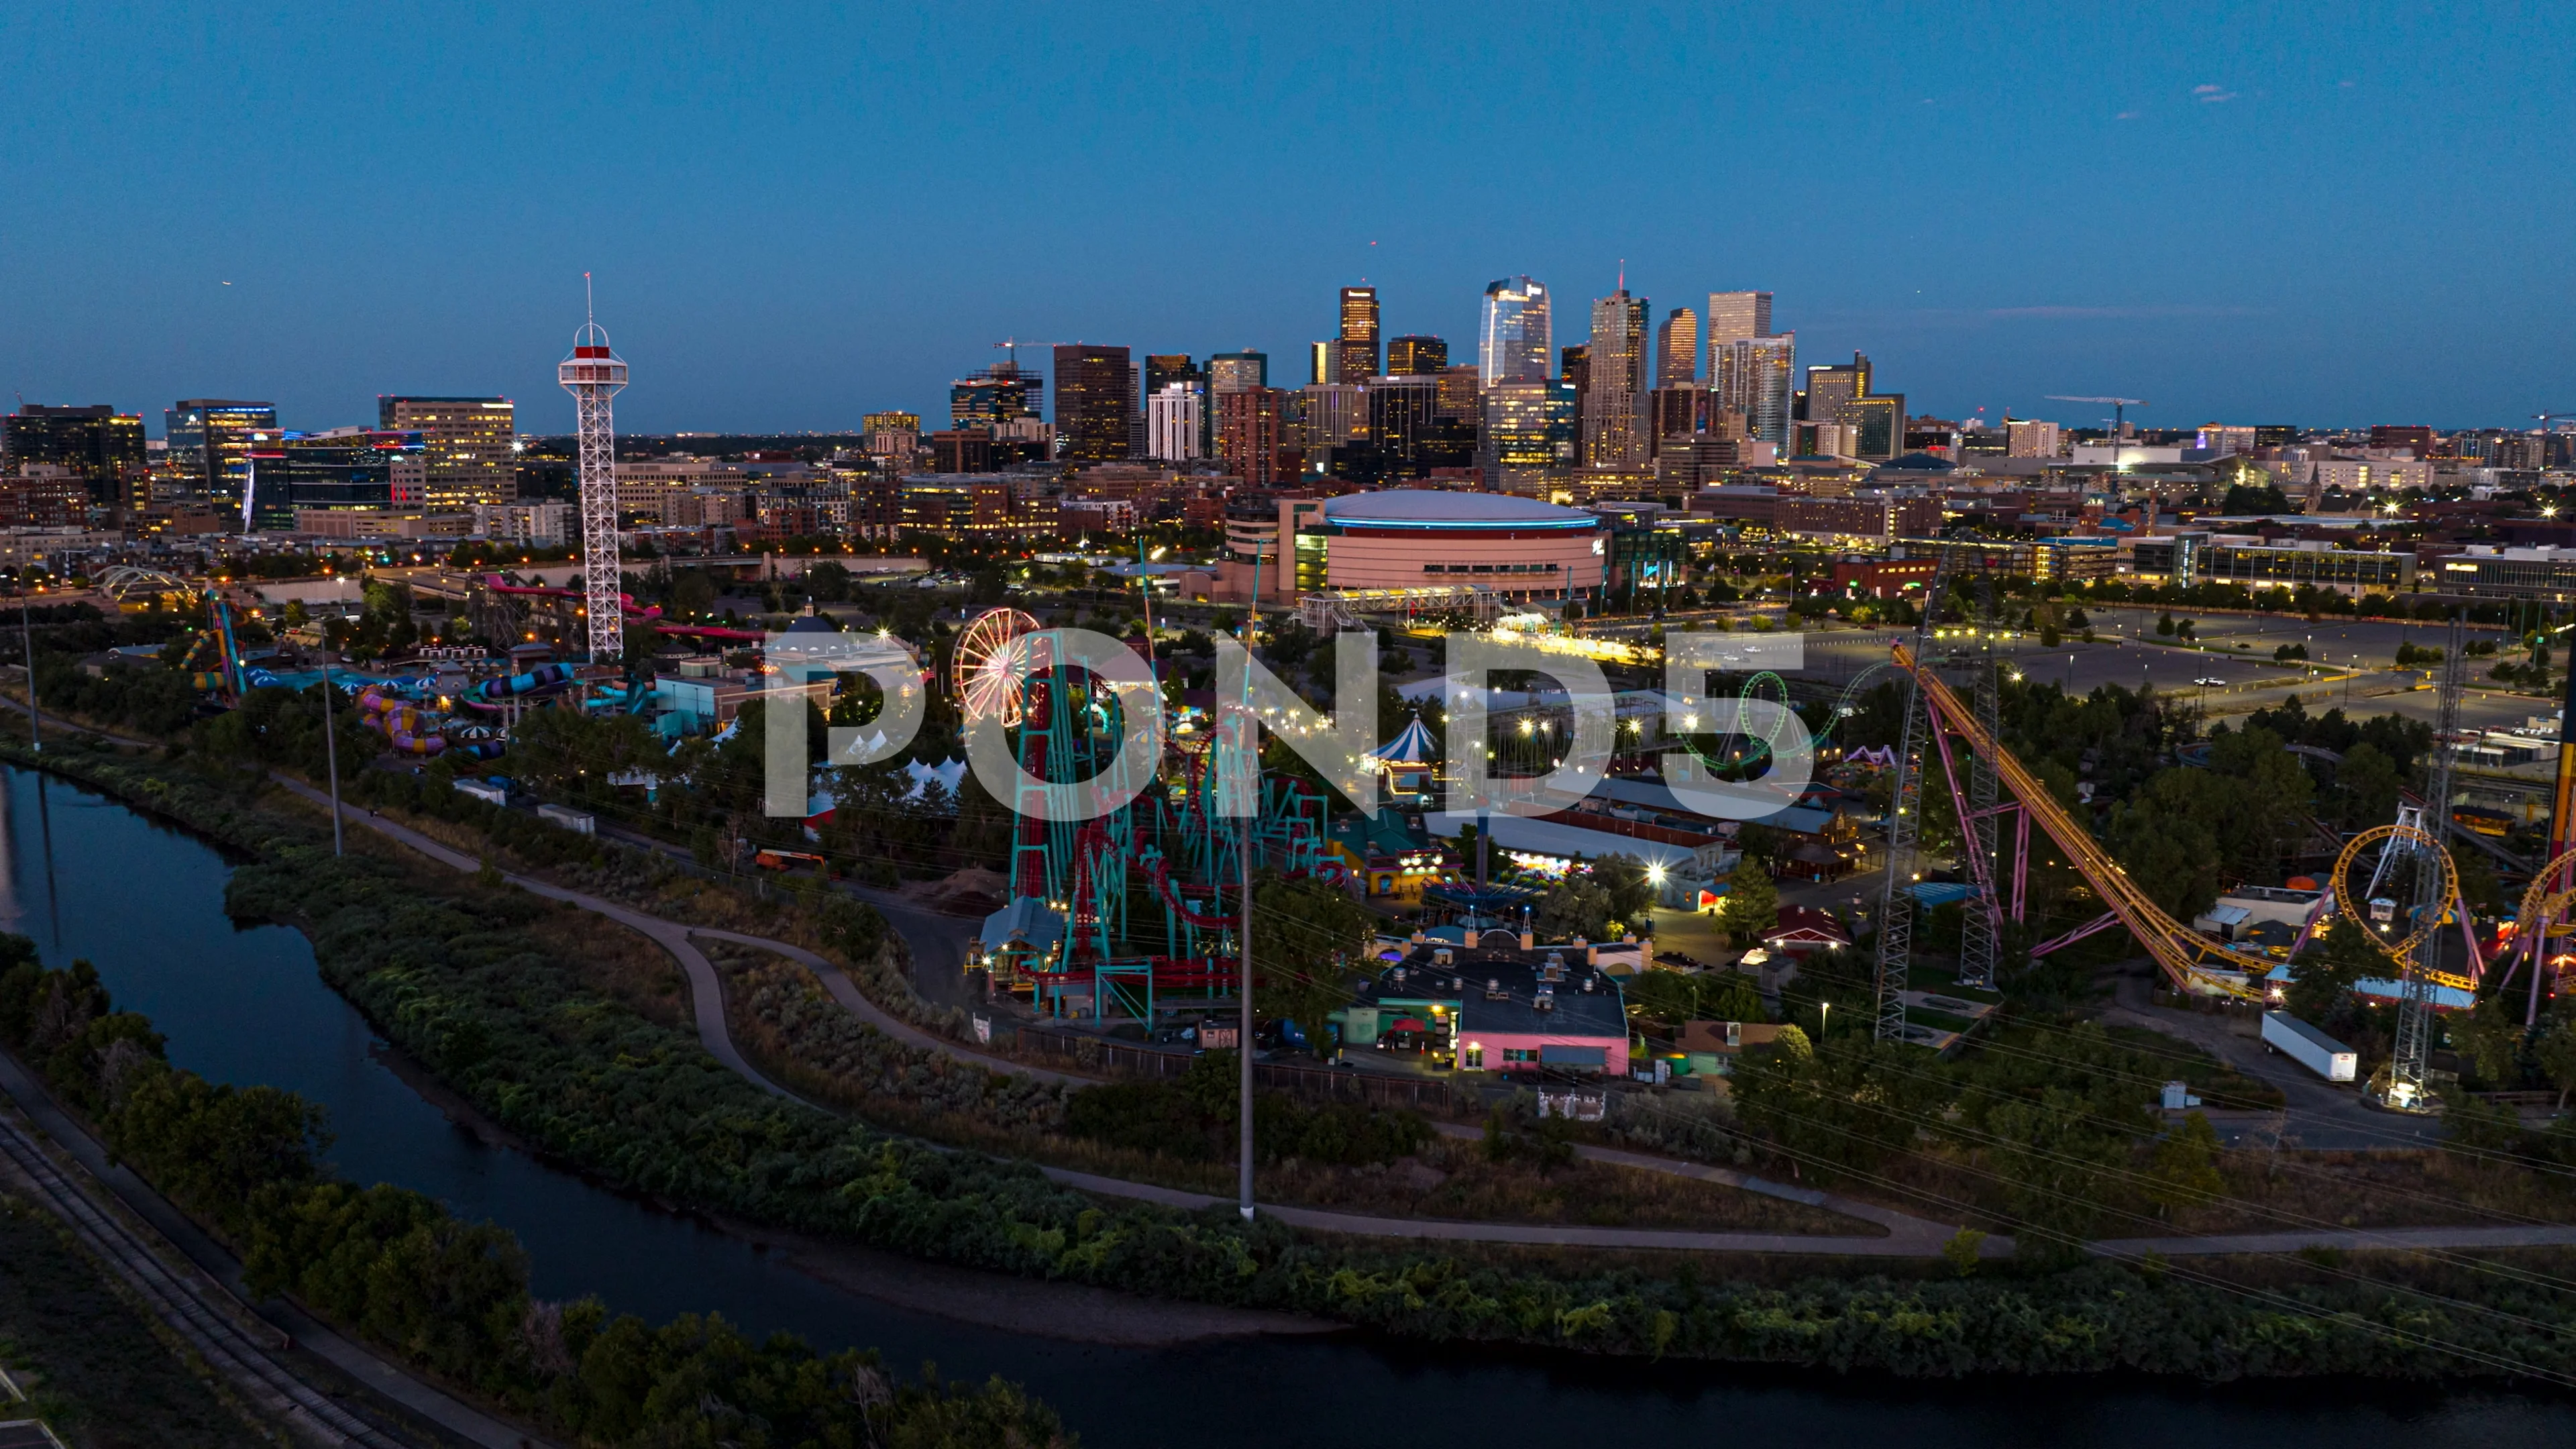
(2308, 1046)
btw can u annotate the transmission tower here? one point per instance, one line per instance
(1905, 825)
(2407, 1064)
(593, 375)
(1979, 944)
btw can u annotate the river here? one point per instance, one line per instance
(87, 877)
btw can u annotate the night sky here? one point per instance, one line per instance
(2324, 215)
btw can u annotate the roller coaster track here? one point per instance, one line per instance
(2191, 961)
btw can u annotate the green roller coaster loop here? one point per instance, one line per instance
(1756, 749)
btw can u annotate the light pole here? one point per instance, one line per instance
(331, 742)
(27, 642)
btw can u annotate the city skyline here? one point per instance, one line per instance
(2192, 210)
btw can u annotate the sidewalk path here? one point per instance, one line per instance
(1907, 1236)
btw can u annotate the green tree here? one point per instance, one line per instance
(1733, 998)
(2341, 955)
(1750, 909)
(2366, 786)
(1306, 935)
(2491, 1039)
(2555, 1051)
(2185, 1171)
(2057, 1168)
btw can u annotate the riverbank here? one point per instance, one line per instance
(444, 997)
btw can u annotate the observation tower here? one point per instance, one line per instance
(593, 375)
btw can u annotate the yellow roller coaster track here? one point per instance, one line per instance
(2353, 910)
(2190, 960)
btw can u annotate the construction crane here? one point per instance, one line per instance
(2119, 410)
(1014, 344)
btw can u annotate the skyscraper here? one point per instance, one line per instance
(1614, 400)
(1527, 442)
(341, 468)
(1415, 356)
(101, 445)
(469, 444)
(1574, 366)
(1677, 349)
(1734, 316)
(1095, 401)
(1841, 393)
(989, 397)
(1753, 378)
(1176, 422)
(1512, 342)
(1162, 369)
(1247, 433)
(1321, 363)
(1236, 371)
(1355, 350)
(209, 443)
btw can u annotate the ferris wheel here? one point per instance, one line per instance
(985, 669)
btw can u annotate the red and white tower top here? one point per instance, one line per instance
(593, 375)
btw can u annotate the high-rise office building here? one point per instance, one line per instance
(1322, 363)
(1247, 433)
(1237, 371)
(343, 468)
(1676, 410)
(1355, 350)
(1162, 369)
(1416, 356)
(1404, 425)
(1614, 395)
(1512, 341)
(1841, 393)
(1527, 441)
(1754, 378)
(1095, 402)
(209, 442)
(99, 445)
(1574, 366)
(1176, 422)
(1734, 316)
(1677, 349)
(470, 445)
(1334, 413)
(992, 396)
(1460, 390)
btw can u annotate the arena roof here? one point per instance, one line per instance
(1437, 508)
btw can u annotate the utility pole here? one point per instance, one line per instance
(27, 641)
(2435, 892)
(330, 741)
(1249, 741)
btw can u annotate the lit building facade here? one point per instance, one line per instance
(1355, 350)
(1614, 399)
(1521, 548)
(1001, 393)
(1754, 378)
(1176, 422)
(366, 468)
(99, 445)
(1527, 442)
(1513, 344)
(1095, 402)
(1677, 349)
(1248, 433)
(1416, 356)
(209, 443)
(470, 445)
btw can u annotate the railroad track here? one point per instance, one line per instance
(184, 1303)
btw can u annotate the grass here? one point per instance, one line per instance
(1450, 1178)
(91, 1364)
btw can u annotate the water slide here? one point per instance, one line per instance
(627, 602)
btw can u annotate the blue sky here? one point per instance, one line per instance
(2340, 214)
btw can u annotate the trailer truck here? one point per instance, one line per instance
(2308, 1046)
